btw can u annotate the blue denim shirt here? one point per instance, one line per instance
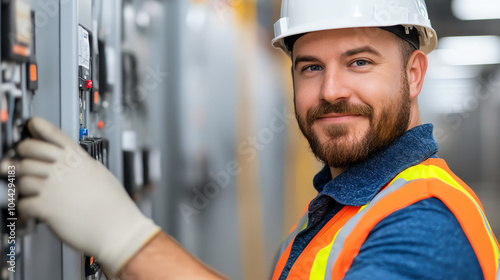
(421, 241)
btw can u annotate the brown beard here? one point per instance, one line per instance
(343, 153)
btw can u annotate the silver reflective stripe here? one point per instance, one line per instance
(289, 239)
(349, 226)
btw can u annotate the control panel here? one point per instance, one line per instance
(18, 84)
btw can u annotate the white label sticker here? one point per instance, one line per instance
(155, 166)
(110, 64)
(83, 48)
(138, 170)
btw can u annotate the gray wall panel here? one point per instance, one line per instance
(42, 251)
(42, 255)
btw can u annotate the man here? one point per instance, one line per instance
(387, 206)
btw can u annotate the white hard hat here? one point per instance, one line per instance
(303, 16)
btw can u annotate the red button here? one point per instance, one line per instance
(100, 124)
(89, 84)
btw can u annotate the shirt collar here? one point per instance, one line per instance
(360, 183)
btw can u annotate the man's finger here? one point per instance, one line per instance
(30, 167)
(29, 186)
(39, 150)
(6, 165)
(30, 207)
(44, 130)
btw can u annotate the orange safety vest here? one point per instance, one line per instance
(331, 252)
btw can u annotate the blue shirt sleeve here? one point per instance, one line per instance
(421, 241)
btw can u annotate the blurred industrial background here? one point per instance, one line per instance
(192, 109)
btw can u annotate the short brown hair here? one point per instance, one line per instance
(406, 50)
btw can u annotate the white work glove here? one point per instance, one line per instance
(78, 198)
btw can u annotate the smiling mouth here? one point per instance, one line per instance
(338, 117)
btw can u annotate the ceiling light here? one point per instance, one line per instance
(476, 9)
(469, 50)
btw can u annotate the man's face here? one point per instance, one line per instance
(351, 93)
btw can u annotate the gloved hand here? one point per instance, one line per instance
(78, 198)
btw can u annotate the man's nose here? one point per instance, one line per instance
(335, 87)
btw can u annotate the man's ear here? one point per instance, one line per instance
(415, 71)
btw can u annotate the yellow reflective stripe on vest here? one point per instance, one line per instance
(432, 171)
(319, 266)
(318, 269)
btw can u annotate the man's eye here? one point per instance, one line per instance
(360, 63)
(313, 68)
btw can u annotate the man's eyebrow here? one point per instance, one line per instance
(359, 50)
(349, 53)
(304, 58)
